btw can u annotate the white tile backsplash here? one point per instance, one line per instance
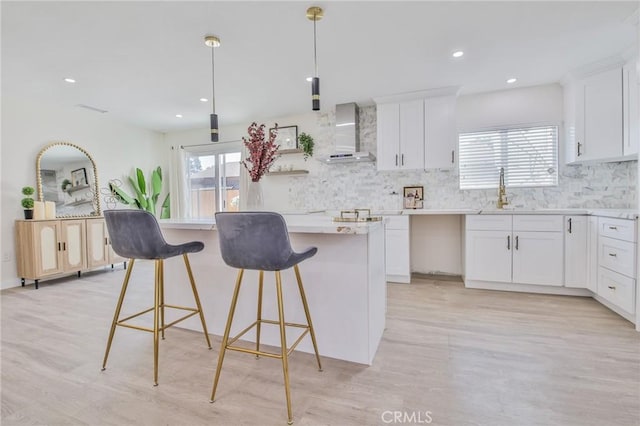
(347, 185)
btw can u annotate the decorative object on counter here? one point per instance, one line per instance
(305, 142)
(143, 200)
(315, 14)
(286, 137)
(213, 42)
(413, 197)
(262, 152)
(255, 200)
(66, 186)
(356, 215)
(49, 210)
(79, 177)
(38, 210)
(27, 202)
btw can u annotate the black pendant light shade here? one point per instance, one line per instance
(315, 93)
(213, 42)
(314, 14)
(214, 127)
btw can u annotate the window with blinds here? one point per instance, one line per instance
(529, 156)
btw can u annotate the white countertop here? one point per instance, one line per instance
(296, 223)
(615, 213)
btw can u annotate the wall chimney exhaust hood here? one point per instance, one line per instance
(347, 143)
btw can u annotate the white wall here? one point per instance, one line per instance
(27, 127)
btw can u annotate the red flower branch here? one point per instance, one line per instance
(262, 153)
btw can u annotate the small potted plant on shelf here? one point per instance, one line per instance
(305, 142)
(27, 202)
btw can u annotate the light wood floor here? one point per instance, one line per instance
(468, 357)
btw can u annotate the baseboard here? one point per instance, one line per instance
(437, 276)
(528, 288)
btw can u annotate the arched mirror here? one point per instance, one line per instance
(67, 175)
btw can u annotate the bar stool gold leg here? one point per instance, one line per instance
(197, 298)
(116, 315)
(162, 297)
(225, 338)
(306, 312)
(283, 344)
(156, 306)
(259, 315)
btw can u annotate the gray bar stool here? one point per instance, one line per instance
(260, 241)
(135, 234)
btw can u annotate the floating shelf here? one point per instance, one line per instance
(77, 188)
(290, 151)
(78, 203)
(290, 172)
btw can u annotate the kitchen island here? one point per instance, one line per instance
(344, 283)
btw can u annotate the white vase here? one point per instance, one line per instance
(254, 196)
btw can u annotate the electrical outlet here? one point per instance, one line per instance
(6, 257)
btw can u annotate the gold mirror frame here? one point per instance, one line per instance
(96, 187)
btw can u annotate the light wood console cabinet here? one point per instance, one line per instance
(53, 248)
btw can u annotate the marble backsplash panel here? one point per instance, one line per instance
(347, 185)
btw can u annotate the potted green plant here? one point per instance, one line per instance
(305, 142)
(27, 202)
(66, 185)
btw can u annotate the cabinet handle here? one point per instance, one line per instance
(64, 246)
(517, 242)
(396, 159)
(612, 287)
(402, 159)
(106, 242)
(508, 242)
(59, 247)
(613, 228)
(453, 156)
(569, 225)
(579, 153)
(613, 255)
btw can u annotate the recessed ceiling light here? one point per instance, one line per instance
(309, 78)
(204, 100)
(69, 80)
(458, 54)
(512, 80)
(179, 115)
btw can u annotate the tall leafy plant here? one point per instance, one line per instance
(146, 196)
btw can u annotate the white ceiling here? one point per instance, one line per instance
(145, 62)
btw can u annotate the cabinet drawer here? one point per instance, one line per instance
(537, 222)
(617, 289)
(489, 222)
(621, 229)
(617, 255)
(397, 222)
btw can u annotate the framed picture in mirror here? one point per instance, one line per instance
(79, 177)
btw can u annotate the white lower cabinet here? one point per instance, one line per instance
(576, 251)
(397, 246)
(617, 248)
(519, 249)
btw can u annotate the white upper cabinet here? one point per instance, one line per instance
(417, 130)
(440, 135)
(401, 135)
(631, 110)
(601, 116)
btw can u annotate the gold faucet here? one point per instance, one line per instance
(502, 192)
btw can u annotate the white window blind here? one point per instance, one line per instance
(529, 156)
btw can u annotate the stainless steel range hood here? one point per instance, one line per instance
(347, 142)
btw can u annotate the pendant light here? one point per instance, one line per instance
(315, 14)
(213, 42)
